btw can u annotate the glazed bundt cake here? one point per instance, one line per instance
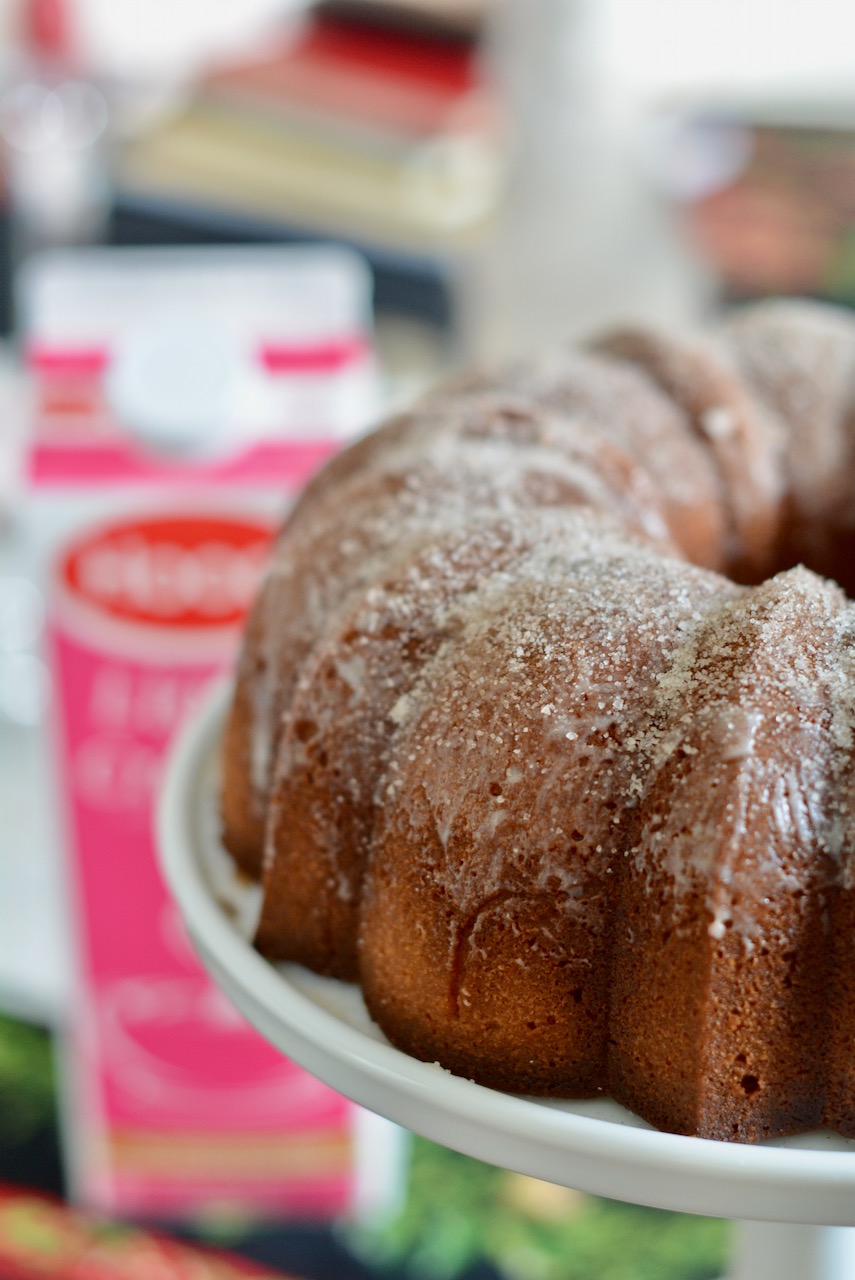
(543, 733)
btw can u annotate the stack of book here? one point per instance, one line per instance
(383, 134)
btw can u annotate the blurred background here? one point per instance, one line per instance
(233, 233)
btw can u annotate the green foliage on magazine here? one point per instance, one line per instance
(27, 1096)
(459, 1211)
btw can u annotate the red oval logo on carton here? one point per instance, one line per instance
(170, 571)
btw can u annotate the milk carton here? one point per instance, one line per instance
(178, 401)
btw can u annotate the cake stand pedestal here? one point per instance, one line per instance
(787, 1251)
(794, 1197)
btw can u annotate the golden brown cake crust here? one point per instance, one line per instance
(744, 437)
(625, 406)
(508, 815)
(343, 717)
(728, 886)
(445, 466)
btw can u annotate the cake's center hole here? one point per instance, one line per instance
(832, 557)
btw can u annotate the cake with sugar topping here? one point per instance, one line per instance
(543, 735)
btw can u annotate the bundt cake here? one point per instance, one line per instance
(543, 733)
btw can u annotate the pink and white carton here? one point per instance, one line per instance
(152, 537)
(183, 1102)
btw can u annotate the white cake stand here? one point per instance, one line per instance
(795, 1198)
